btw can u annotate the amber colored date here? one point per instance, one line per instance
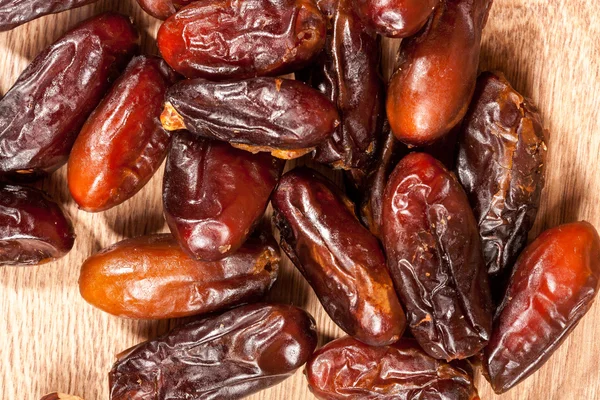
(553, 285)
(339, 258)
(33, 228)
(41, 115)
(150, 277)
(228, 356)
(122, 143)
(60, 396)
(501, 164)
(435, 259)
(348, 369)
(282, 116)
(430, 91)
(162, 9)
(17, 12)
(221, 39)
(214, 194)
(395, 18)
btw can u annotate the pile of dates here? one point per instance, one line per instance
(423, 260)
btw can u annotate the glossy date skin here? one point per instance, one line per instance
(162, 9)
(150, 277)
(123, 143)
(339, 258)
(395, 18)
(435, 259)
(222, 39)
(282, 116)
(430, 91)
(17, 12)
(553, 285)
(348, 369)
(501, 162)
(214, 194)
(227, 356)
(33, 228)
(41, 115)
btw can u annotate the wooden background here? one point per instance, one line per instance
(50, 339)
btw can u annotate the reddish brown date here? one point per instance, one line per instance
(430, 91)
(162, 9)
(150, 277)
(349, 369)
(282, 116)
(228, 356)
(395, 18)
(60, 396)
(214, 194)
(339, 258)
(501, 164)
(553, 285)
(41, 115)
(221, 39)
(33, 228)
(122, 144)
(435, 259)
(17, 12)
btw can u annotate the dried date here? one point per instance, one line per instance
(17, 12)
(60, 396)
(395, 18)
(339, 258)
(162, 9)
(227, 356)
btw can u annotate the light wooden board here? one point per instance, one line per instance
(50, 339)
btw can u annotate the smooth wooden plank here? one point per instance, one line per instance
(52, 340)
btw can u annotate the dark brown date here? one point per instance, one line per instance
(228, 356)
(553, 285)
(17, 12)
(33, 228)
(60, 396)
(41, 115)
(430, 91)
(282, 116)
(501, 164)
(435, 259)
(339, 258)
(395, 18)
(349, 369)
(151, 277)
(162, 9)
(214, 194)
(122, 144)
(221, 39)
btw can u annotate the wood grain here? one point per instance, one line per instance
(52, 340)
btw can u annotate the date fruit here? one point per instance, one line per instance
(150, 277)
(41, 115)
(282, 116)
(163, 9)
(221, 39)
(430, 91)
(33, 228)
(60, 396)
(395, 18)
(435, 259)
(214, 194)
(227, 356)
(339, 258)
(17, 12)
(122, 144)
(348, 369)
(501, 162)
(553, 285)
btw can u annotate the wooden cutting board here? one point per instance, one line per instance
(50, 339)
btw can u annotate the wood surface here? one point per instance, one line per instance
(52, 340)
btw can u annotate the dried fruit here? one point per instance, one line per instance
(395, 18)
(17, 12)
(162, 9)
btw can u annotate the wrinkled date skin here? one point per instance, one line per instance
(237, 39)
(33, 228)
(41, 115)
(123, 143)
(282, 116)
(150, 277)
(501, 164)
(228, 356)
(162, 9)
(395, 18)
(339, 258)
(430, 91)
(348, 369)
(214, 194)
(553, 285)
(347, 72)
(435, 259)
(17, 12)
